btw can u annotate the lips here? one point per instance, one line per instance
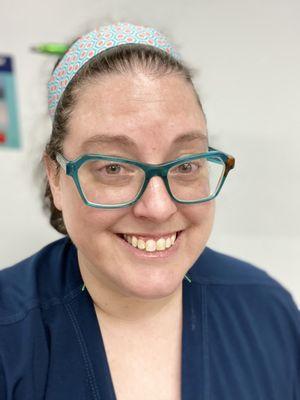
(149, 243)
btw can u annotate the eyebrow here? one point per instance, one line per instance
(126, 142)
(190, 137)
(101, 139)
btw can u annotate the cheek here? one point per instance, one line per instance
(201, 215)
(201, 218)
(81, 220)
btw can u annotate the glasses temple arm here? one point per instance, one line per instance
(62, 161)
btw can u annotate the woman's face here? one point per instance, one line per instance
(152, 120)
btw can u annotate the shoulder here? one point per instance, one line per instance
(214, 267)
(235, 287)
(246, 314)
(243, 287)
(38, 281)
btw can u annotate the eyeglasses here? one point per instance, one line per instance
(113, 182)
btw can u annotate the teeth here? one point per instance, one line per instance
(134, 240)
(161, 244)
(129, 239)
(141, 244)
(151, 245)
(173, 238)
(168, 243)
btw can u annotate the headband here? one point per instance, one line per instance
(95, 42)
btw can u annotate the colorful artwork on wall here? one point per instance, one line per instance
(9, 124)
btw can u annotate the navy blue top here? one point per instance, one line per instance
(240, 339)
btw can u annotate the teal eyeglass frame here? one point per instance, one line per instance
(71, 168)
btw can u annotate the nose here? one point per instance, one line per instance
(156, 203)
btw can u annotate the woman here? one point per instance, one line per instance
(130, 304)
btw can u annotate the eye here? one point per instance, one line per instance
(187, 168)
(113, 169)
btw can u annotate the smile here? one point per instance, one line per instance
(151, 244)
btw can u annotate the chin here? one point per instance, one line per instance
(155, 287)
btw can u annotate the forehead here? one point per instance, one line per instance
(135, 111)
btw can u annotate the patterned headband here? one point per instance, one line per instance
(94, 43)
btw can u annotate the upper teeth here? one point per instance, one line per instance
(151, 244)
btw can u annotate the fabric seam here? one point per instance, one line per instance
(18, 317)
(82, 345)
(205, 344)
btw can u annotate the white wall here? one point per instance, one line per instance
(248, 57)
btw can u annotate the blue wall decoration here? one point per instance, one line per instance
(9, 124)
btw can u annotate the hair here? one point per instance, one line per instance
(120, 60)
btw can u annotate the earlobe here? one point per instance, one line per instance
(53, 176)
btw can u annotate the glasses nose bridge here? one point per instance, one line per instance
(156, 171)
(152, 171)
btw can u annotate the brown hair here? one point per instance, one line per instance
(122, 59)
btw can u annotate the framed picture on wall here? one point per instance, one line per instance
(9, 124)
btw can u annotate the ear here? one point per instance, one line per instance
(53, 176)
